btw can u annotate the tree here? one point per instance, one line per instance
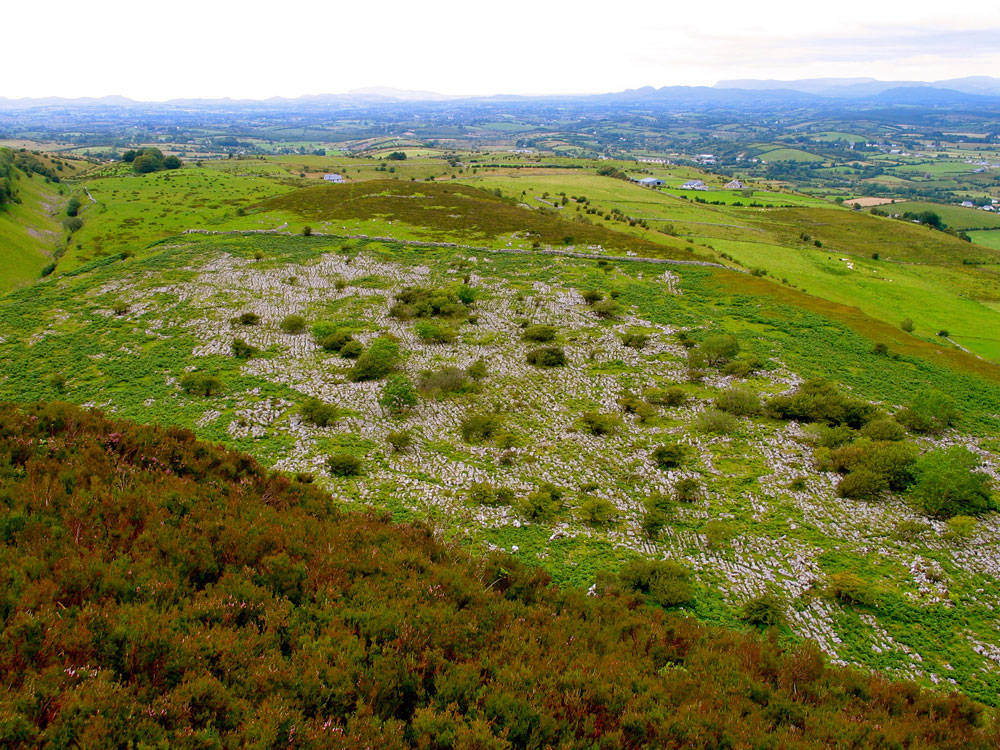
(377, 361)
(397, 156)
(293, 324)
(719, 348)
(171, 162)
(73, 207)
(947, 484)
(931, 412)
(398, 394)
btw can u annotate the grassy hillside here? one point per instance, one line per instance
(158, 591)
(30, 230)
(557, 464)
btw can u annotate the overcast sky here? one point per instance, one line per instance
(252, 49)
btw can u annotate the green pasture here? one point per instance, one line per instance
(30, 231)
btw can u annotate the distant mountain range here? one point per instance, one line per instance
(970, 91)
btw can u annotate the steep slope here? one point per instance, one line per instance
(160, 591)
(30, 229)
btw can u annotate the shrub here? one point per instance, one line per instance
(200, 384)
(931, 412)
(961, 528)
(712, 421)
(249, 319)
(317, 413)
(829, 437)
(861, 484)
(343, 464)
(540, 333)
(739, 401)
(400, 440)
(378, 360)
(892, 462)
(718, 533)
(352, 349)
(434, 333)
(635, 405)
(849, 588)
(718, 348)
(445, 382)
(398, 394)
(766, 610)
(307, 231)
(883, 428)
(606, 309)
(120, 308)
(242, 350)
(543, 504)
(72, 224)
(907, 325)
(653, 522)
(663, 581)
(947, 484)
(73, 207)
(293, 324)
(635, 339)
(818, 400)
(57, 382)
(476, 428)
(596, 511)
(669, 455)
(672, 396)
(477, 370)
(742, 368)
(687, 490)
(421, 302)
(334, 342)
(547, 356)
(599, 424)
(592, 296)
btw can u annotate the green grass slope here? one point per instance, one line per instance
(30, 230)
(156, 591)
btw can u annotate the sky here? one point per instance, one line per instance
(257, 49)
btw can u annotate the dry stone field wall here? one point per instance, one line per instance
(785, 517)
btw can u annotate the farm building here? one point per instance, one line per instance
(735, 185)
(650, 182)
(694, 185)
(333, 177)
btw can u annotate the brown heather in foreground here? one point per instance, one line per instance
(156, 591)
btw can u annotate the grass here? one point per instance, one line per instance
(30, 231)
(955, 217)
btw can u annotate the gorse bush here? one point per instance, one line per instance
(663, 581)
(540, 333)
(669, 455)
(242, 604)
(343, 464)
(293, 324)
(598, 424)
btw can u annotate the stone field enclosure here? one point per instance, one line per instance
(579, 414)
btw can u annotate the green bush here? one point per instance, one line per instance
(421, 302)
(400, 440)
(947, 484)
(592, 296)
(850, 588)
(477, 370)
(543, 504)
(540, 333)
(634, 405)
(931, 412)
(200, 384)
(664, 581)
(380, 358)
(477, 428)
(57, 382)
(635, 339)
(741, 402)
(669, 455)
(687, 490)
(714, 422)
(672, 396)
(547, 356)
(599, 424)
(352, 349)
(891, 461)
(862, 484)
(606, 309)
(434, 333)
(243, 350)
(398, 394)
(317, 413)
(249, 319)
(818, 400)
(343, 464)
(826, 436)
(293, 324)
(597, 512)
(447, 381)
(766, 610)
(335, 341)
(883, 428)
(717, 349)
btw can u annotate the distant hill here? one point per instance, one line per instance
(157, 591)
(852, 88)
